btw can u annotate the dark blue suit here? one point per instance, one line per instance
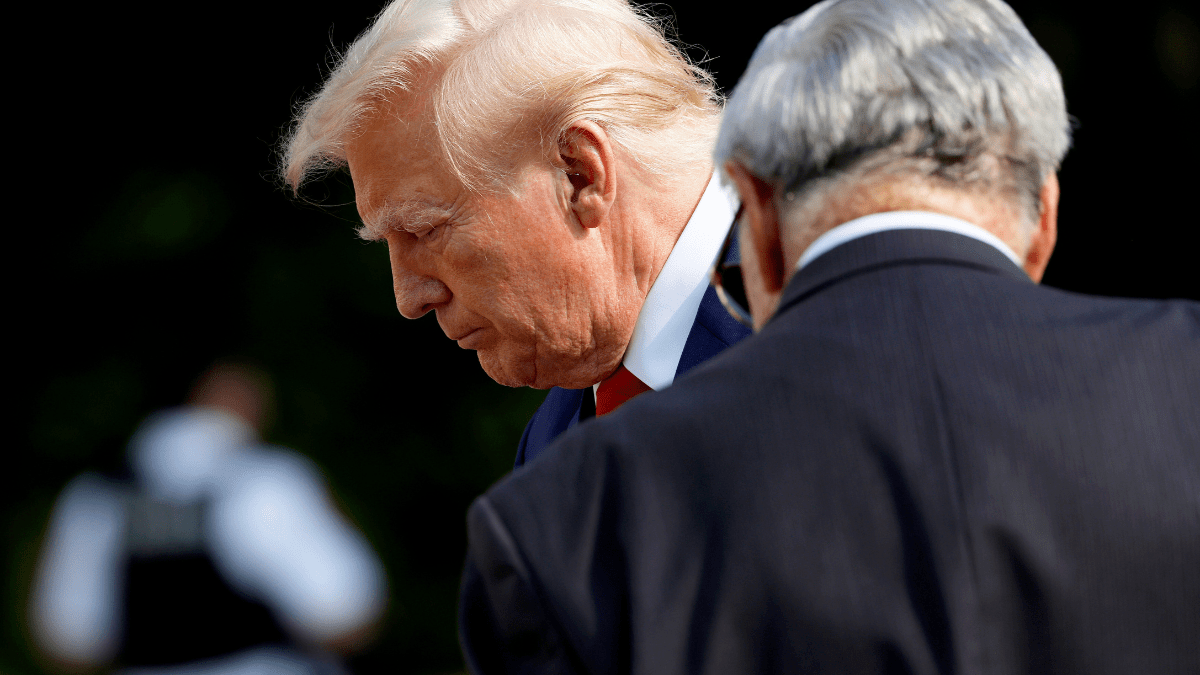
(923, 464)
(712, 332)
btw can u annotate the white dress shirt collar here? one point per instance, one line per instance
(901, 220)
(671, 305)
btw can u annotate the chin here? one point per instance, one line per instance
(522, 368)
(508, 372)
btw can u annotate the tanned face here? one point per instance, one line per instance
(514, 277)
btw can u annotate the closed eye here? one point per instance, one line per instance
(431, 232)
(420, 219)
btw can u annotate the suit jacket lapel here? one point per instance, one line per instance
(712, 332)
(557, 413)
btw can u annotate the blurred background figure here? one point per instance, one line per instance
(215, 554)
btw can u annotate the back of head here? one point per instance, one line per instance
(956, 92)
(502, 79)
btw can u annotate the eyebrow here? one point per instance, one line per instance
(409, 216)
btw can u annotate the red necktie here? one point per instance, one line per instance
(618, 388)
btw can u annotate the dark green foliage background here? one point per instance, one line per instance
(149, 237)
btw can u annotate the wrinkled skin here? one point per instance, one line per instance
(543, 283)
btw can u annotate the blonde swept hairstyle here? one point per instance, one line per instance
(506, 79)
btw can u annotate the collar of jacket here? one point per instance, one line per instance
(891, 248)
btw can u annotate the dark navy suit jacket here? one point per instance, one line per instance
(923, 464)
(713, 331)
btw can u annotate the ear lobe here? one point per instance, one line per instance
(1045, 236)
(587, 155)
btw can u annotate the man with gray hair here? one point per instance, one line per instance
(923, 462)
(541, 171)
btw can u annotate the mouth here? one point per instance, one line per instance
(469, 339)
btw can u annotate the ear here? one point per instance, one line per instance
(1041, 244)
(760, 217)
(587, 157)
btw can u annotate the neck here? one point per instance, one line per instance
(803, 224)
(652, 219)
(644, 226)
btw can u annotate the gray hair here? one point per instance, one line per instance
(930, 86)
(508, 78)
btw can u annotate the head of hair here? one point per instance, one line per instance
(956, 92)
(504, 79)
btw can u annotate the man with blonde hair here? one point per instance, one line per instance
(541, 172)
(923, 462)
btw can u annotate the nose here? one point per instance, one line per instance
(417, 288)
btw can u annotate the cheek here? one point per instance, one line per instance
(519, 278)
(475, 264)
(521, 268)
(492, 281)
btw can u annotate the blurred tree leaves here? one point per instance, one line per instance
(1177, 45)
(81, 415)
(158, 216)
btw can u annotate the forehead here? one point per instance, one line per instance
(396, 167)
